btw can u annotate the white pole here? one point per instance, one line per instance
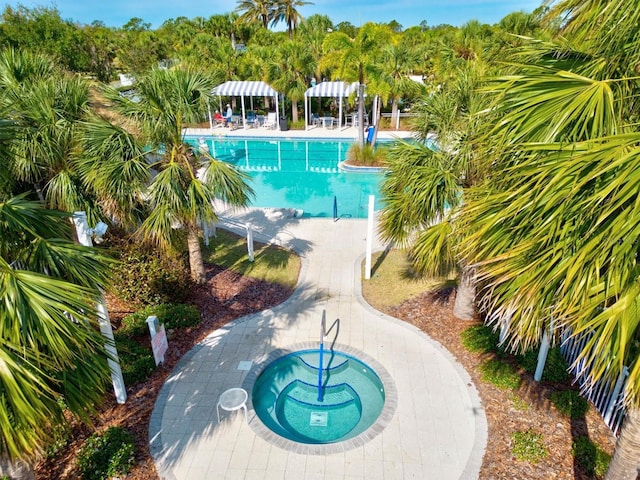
(367, 265)
(84, 237)
(244, 121)
(542, 355)
(205, 232)
(209, 112)
(250, 242)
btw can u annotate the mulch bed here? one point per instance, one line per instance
(432, 314)
(227, 296)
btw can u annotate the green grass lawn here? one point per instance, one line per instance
(271, 263)
(393, 280)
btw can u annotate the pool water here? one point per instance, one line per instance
(299, 174)
(285, 397)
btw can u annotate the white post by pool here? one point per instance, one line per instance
(84, 237)
(250, 242)
(367, 264)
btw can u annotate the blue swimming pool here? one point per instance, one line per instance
(300, 174)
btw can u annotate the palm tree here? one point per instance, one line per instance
(425, 187)
(399, 61)
(554, 232)
(52, 354)
(289, 70)
(188, 181)
(48, 107)
(287, 11)
(356, 59)
(252, 11)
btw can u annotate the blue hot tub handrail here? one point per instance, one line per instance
(323, 333)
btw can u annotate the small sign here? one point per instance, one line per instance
(159, 345)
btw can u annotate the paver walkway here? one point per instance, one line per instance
(438, 430)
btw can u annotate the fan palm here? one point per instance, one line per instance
(289, 69)
(51, 352)
(251, 11)
(287, 11)
(425, 187)
(47, 107)
(554, 232)
(356, 59)
(188, 181)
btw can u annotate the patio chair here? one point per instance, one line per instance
(251, 118)
(271, 121)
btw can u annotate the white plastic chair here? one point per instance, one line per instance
(270, 121)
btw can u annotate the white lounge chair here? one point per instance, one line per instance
(271, 120)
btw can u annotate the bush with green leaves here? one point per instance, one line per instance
(145, 276)
(555, 370)
(593, 460)
(367, 155)
(480, 339)
(528, 446)
(107, 454)
(570, 403)
(136, 361)
(500, 373)
(173, 316)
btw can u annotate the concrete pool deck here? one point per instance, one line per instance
(437, 429)
(315, 133)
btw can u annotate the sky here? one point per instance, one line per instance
(115, 13)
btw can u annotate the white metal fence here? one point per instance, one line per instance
(606, 396)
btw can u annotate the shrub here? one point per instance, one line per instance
(480, 338)
(519, 403)
(500, 374)
(367, 155)
(555, 369)
(528, 446)
(570, 403)
(136, 361)
(591, 457)
(173, 316)
(144, 276)
(106, 455)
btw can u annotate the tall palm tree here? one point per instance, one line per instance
(312, 34)
(356, 59)
(260, 11)
(425, 187)
(399, 61)
(554, 232)
(188, 181)
(287, 11)
(52, 354)
(289, 70)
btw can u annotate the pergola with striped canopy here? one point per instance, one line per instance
(243, 89)
(329, 89)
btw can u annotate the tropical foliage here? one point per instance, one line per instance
(50, 346)
(188, 181)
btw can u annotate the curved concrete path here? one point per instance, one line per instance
(437, 431)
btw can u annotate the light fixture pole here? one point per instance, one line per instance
(84, 237)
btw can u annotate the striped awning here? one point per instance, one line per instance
(332, 89)
(244, 89)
